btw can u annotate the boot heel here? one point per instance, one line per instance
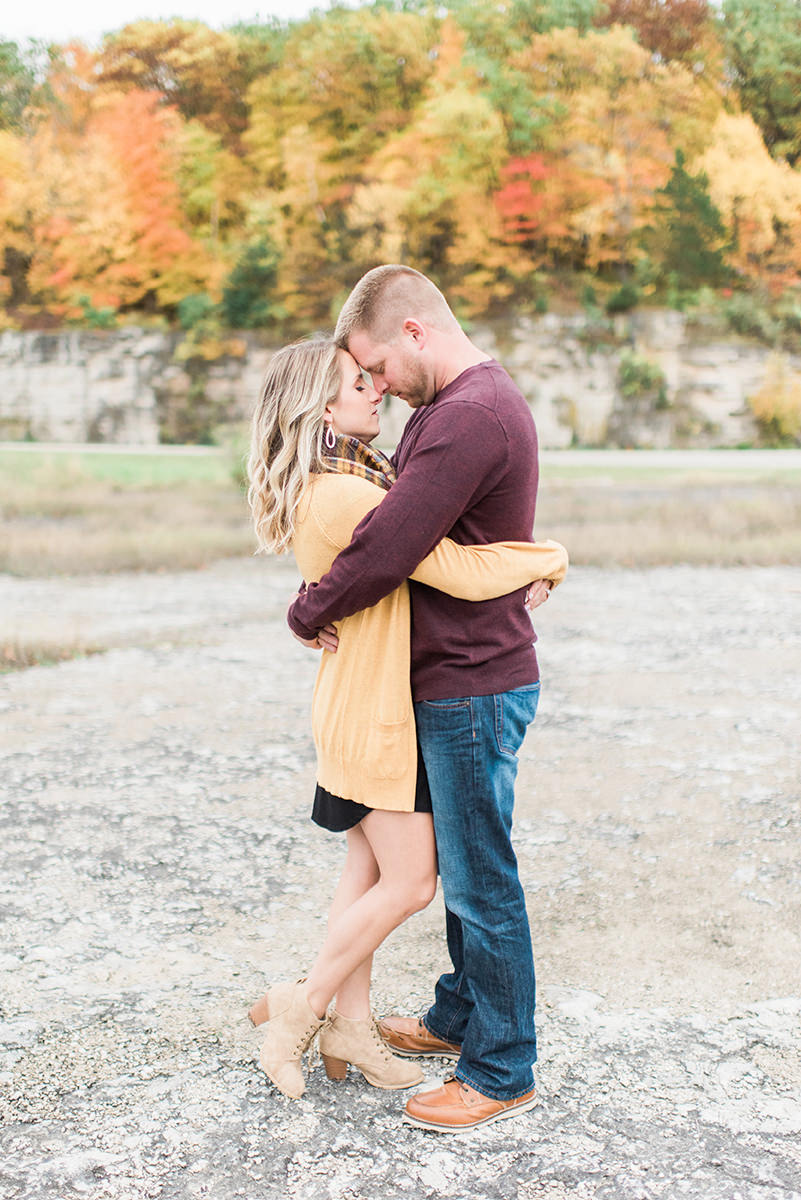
(260, 1012)
(335, 1068)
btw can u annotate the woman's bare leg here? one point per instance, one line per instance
(404, 851)
(359, 874)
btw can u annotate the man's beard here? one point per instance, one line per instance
(415, 388)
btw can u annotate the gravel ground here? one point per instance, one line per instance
(157, 868)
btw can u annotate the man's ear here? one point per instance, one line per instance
(415, 330)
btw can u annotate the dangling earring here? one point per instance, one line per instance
(330, 438)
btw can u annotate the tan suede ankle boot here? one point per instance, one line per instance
(291, 1026)
(344, 1041)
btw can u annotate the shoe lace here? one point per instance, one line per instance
(453, 1079)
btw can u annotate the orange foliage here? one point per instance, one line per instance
(117, 235)
(619, 117)
(536, 199)
(140, 173)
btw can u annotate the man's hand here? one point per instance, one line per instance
(326, 639)
(537, 594)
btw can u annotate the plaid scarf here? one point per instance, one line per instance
(352, 457)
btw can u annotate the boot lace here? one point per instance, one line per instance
(383, 1049)
(308, 1041)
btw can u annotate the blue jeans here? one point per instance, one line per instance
(486, 1003)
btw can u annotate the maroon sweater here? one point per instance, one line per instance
(467, 469)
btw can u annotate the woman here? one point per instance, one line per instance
(313, 477)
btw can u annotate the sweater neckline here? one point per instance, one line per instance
(488, 362)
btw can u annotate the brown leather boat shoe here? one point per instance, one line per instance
(456, 1107)
(409, 1037)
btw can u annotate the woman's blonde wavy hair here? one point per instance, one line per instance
(286, 436)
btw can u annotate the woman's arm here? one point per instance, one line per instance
(467, 572)
(484, 572)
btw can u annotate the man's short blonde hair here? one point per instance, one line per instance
(383, 299)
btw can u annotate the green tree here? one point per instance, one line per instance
(500, 28)
(763, 43)
(494, 33)
(688, 234)
(249, 292)
(17, 82)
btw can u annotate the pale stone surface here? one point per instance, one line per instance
(115, 387)
(158, 867)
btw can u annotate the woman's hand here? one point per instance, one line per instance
(327, 638)
(538, 593)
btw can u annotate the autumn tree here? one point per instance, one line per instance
(669, 28)
(213, 183)
(494, 33)
(763, 43)
(758, 198)
(502, 27)
(116, 233)
(537, 197)
(49, 127)
(15, 240)
(348, 82)
(352, 78)
(17, 82)
(617, 116)
(427, 198)
(200, 71)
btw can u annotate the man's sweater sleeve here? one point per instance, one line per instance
(454, 463)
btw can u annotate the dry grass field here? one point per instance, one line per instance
(629, 517)
(95, 512)
(77, 512)
(67, 513)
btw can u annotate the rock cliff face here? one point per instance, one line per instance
(685, 386)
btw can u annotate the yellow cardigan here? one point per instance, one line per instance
(362, 715)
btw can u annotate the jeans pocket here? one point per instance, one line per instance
(514, 712)
(451, 720)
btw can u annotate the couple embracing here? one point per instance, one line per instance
(425, 688)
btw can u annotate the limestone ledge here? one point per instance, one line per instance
(120, 386)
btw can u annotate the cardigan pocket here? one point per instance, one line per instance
(385, 753)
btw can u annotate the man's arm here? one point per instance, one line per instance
(454, 463)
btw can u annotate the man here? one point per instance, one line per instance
(467, 468)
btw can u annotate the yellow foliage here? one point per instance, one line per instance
(429, 199)
(209, 346)
(13, 189)
(352, 82)
(758, 198)
(213, 181)
(777, 404)
(617, 116)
